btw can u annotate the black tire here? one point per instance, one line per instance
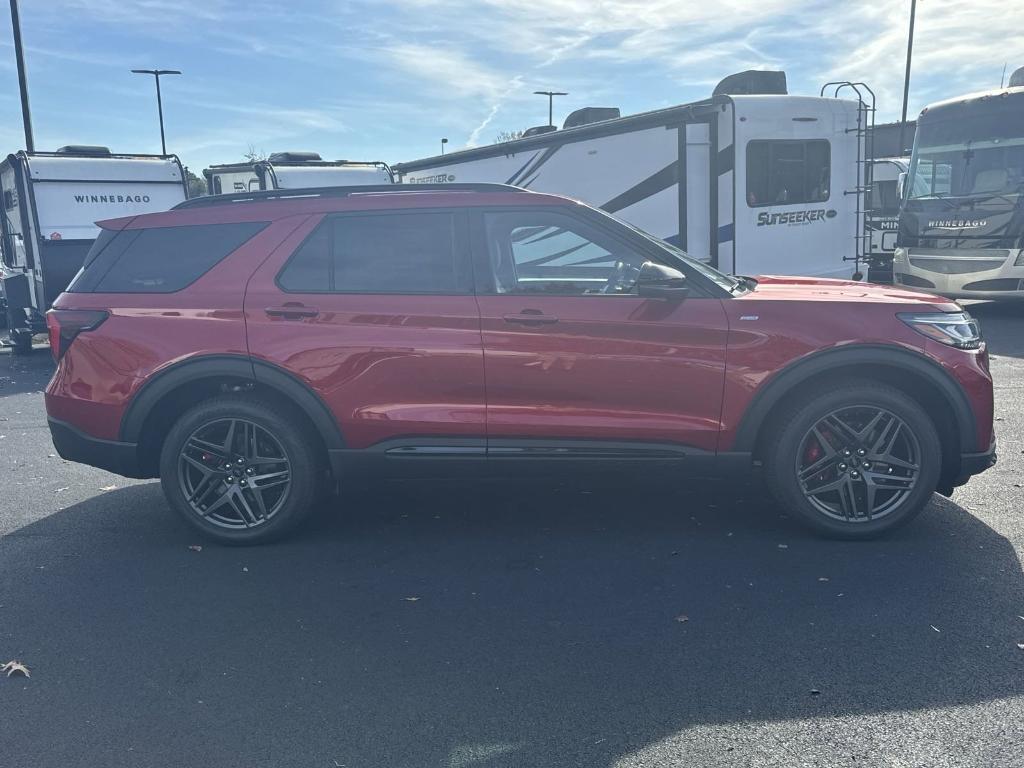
(793, 447)
(276, 427)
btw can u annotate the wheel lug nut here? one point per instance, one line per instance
(846, 451)
(241, 461)
(861, 452)
(842, 467)
(248, 471)
(855, 474)
(866, 465)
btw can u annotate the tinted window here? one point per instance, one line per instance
(309, 268)
(544, 252)
(161, 259)
(787, 172)
(379, 253)
(885, 197)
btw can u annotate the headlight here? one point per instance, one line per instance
(954, 329)
(899, 255)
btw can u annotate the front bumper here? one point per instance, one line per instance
(974, 464)
(74, 445)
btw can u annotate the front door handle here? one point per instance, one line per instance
(292, 311)
(531, 317)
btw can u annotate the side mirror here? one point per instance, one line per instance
(656, 281)
(901, 183)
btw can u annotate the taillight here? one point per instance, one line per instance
(64, 325)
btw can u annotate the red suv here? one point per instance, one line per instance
(254, 350)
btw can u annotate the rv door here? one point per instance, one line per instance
(795, 160)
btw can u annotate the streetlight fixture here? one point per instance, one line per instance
(551, 98)
(19, 57)
(906, 77)
(443, 142)
(159, 102)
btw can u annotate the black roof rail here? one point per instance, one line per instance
(284, 194)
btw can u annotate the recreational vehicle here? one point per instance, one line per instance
(752, 180)
(883, 215)
(50, 202)
(961, 228)
(294, 170)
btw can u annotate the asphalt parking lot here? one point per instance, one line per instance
(497, 623)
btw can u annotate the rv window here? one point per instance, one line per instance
(550, 253)
(161, 259)
(379, 253)
(885, 197)
(787, 172)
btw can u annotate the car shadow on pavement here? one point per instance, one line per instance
(490, 623)
(1002, 324)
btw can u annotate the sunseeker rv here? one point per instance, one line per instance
(753, 180)
(51, 201)
(294, 170)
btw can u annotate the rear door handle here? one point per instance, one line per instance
(292, 311)
(531, 317)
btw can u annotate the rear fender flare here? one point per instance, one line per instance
(234, 367)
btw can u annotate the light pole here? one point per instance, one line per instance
(551, 98)
(906, 77)
(19, 56)
(159, 102)
(443, 142)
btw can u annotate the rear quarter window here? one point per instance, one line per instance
(160, 259)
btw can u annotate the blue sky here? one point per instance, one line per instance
(385, 79)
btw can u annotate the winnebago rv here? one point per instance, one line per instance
(961, 228)
(51, 201)
(753, 180)
(294, 170)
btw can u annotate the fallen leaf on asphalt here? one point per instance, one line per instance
(15, 667)
(823, 578)
(934, 627)
(783, 546)
(61, 490)
(410, 599)
(109, 488)
(682, 617)
(1021, 646)
(815, 692)
(196, 547)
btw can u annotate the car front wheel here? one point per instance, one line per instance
(855, 462)
(238, 470)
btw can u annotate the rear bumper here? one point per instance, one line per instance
(113, 456)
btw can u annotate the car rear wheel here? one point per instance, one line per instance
(855, 462)
(239, 470)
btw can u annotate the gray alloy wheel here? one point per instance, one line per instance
(858, 463)
(234, 473)
(240, 470)
(854, 461)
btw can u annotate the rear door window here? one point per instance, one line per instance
(401, 252)
(160, 259)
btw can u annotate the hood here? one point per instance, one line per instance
(824, 289)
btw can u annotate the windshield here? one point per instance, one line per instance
(976, 155)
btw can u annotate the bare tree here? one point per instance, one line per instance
(504, 136)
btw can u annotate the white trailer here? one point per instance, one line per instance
(50, 203)
(294, 170)
(752, 180)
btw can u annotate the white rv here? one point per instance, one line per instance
(294, 170)
(883, 215)
(50, 202)
(753, 180)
